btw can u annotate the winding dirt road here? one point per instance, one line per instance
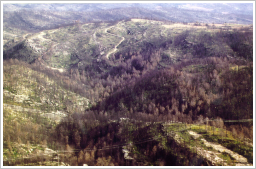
(115, 48)
(40, 36)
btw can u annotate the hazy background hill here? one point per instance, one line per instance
(35, 17)
(238, 8)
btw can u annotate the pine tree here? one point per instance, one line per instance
(77, 138)
(9, 143)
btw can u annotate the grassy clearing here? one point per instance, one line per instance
(224, 138)
(210, 130)
(225, 156)
(176, 127)
(188, 139)
(182, 26)
(236, 67)
(214, 135)
(195, 68)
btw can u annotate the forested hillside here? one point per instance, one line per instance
(126, 91)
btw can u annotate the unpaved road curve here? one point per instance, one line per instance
(115, 48)
(59, 69)
(40, 36)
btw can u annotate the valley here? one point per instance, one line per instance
(98, 90)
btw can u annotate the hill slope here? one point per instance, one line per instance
(34, 103)
(127, 91)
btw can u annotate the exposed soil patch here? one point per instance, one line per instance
(240, 159)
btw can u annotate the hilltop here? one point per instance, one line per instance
(77, 45)
(27, 18)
